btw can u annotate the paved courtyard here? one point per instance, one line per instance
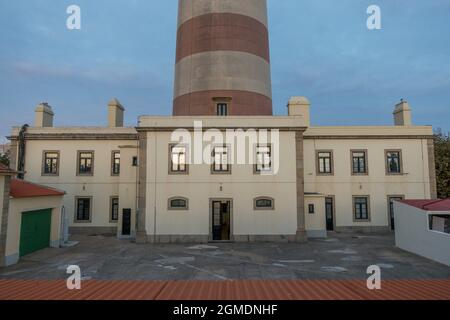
(341, 256)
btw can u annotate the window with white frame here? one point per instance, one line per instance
(220, 163)
(263, 159)
(178, 159)
(361, 208)
(325, 162)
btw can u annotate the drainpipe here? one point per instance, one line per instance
(155, 187)
(21, 156)
(64, 233)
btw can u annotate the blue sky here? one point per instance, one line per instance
(319, 49)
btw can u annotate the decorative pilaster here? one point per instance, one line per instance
(141, 232)
(301, 230)
(432, 169)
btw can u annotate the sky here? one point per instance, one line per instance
(319, 49)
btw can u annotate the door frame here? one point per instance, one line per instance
(211, 237)
(389, 196)
(334, 212)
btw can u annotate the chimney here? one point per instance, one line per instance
(402, 114)
(115, 113)
(299, 106)
(43, 116)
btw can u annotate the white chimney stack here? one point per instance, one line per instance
(43, 116)
(299, 106)
(402, 114)
(115, 113)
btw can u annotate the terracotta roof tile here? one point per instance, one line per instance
(429, 205)
(5, 169)
(25, 189)
(265, 290)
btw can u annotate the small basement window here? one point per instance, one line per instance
(264, 203)
(178, 204)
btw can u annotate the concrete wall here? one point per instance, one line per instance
(16, 207)
(101, 186)
(412, 234)
(242, 186)
(413, 184)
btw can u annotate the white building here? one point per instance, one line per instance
(121, 180)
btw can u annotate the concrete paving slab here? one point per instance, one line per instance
(346, 257)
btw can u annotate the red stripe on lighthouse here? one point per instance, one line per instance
(222, 31)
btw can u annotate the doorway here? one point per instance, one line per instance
(329, 212)
(126, 222)
(221, 220)
(391, 200)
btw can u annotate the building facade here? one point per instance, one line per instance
(145, 182)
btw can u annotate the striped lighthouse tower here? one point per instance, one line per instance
(222, 59)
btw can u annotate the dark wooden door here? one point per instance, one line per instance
(221, 220)
(391, 210)
(126, 222)
(329, 211)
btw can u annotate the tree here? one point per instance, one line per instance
(442, 154)
(4, 158)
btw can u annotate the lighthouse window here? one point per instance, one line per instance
(222, 109)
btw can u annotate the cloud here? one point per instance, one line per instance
(107, 74)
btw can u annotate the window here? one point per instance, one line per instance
(264, 203)
(311, 209)
(86, 163)
(178, 159)
(222, 109)
(325, 162)
(361, 208)
(393, 162)
(263, 159)
(83, 210)
(114, 209)
(115, 168)
(439, 223)
(51, 163)
(178, 204)
(359, 162)
(135, 161)
(220, 160)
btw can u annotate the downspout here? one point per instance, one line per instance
(137, 191)
(155, 193)
(21, 155)
(64, 233)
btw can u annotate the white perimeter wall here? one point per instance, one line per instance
(412, 234)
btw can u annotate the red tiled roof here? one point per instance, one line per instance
(429, 205)
(25, 189)
(5, 169)
(438, 289)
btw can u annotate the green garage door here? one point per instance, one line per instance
(35, 231)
